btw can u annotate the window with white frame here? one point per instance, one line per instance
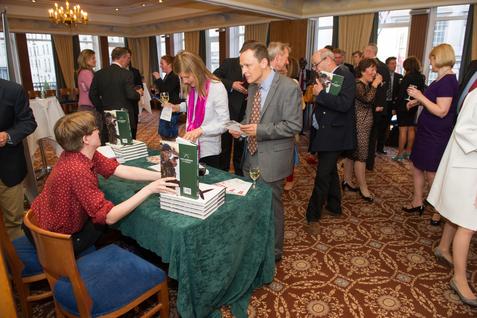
(3, 58)
(91, 42)
(212, 49)
(178, 42)
(161, 48)
(323, 32)
(40, 53)
(393, 34)
(113, 42)
(448, 27)
(236, 39)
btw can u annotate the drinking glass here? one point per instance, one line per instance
(409, 97)
(164, 97)
(254, 174)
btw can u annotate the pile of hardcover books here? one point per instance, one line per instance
(211, 197)
(137, 150)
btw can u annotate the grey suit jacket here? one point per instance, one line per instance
(280, 119)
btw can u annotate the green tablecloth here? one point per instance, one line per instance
(217, 261)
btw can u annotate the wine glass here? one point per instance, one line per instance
(164, 98)
(254, 174)
(409, 97)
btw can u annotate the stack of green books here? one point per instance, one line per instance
(137, 150)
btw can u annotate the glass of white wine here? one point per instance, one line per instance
(254, 174)
(164, 98)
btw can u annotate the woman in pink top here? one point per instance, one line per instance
(86, 63)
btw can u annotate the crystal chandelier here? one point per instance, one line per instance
(68, 15)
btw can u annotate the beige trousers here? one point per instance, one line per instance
(11, 203)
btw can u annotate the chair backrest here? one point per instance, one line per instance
(65, 92)
(50, 92)
(33, 94)
(56, 256)
(14, 263)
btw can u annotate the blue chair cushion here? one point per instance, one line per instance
(113, 277)
(27, 253)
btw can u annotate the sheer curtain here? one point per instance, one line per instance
(192, 41)
(140, 56)
(354, 32)
(257, 32)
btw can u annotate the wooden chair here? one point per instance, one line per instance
(50, 93)
(69, 99)
(106, 283)
(25, 268)
(7, 304)
(33, 94)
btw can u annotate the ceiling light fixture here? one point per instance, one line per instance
(70, 16)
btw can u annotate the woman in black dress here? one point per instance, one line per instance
(407, 118)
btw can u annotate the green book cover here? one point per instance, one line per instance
(188, 168)
(333, 82)
(117, 124)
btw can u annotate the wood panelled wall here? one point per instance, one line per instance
(417, 36)
(291, 32)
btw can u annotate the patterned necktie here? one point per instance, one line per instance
(254, 119)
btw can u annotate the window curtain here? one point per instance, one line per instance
(76, 53)
(63, 45)
(373, 38)
(140, 56)
(354, 32)
(336, 28)
(153, 57)
(202, 46)
(470, 42)
(192, 41)
(417, 34)
(257, 32)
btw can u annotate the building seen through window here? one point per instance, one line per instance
(42, 65)
(91, 42)
(212, 49)
(115, 41)
(236, 39)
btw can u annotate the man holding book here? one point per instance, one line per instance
(334, 122)
(270, 123)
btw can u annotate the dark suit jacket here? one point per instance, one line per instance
(170, 84)
(16, 118)
(395, 90)
(229, 72)
(137, 78)
(350, 67)
(410, 78)
(336, 116)
(380, 100)
(113, 88)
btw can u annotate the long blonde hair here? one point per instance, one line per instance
(83, 59)
(188, 62)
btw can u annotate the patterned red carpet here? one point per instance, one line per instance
(373, 261)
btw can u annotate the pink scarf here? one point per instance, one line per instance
(195, 115)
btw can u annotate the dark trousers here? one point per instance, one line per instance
(383, 126)
(326, 188)
(227, 142)
(378, 119)
(81, 240)
(212, 161)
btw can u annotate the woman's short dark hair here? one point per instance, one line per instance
(412, 65)
(363, 65)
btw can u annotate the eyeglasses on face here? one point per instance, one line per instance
(315, 65)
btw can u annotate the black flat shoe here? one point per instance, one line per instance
(346, 187)
(366, 198)
(419, 209)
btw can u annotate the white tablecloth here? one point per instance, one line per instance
(47, 111)
(145, 101)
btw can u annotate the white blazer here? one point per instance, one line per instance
(454, 189)
(216, 115)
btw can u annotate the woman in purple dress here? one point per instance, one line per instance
(435, 123)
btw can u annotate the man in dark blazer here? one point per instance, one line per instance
(335, 124)
(272, 119)
(231, 76)
(16, 123)
(172, 85)
(113, 88)
(379, 111)
(391, 98)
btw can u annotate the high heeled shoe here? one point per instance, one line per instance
(419, 209)
(346, 187)
(440, 258)
(366, 198)
(470, 302)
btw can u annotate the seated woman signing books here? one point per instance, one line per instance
(71, 201)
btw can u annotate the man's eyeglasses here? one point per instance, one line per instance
(313, 65)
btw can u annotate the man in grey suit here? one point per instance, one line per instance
(272, 118)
